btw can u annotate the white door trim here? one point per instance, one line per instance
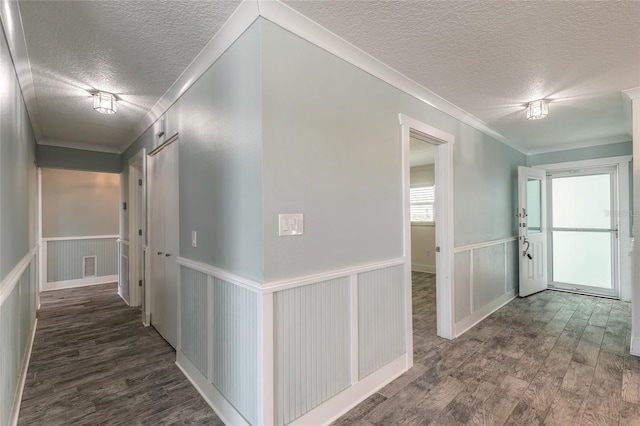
(443, 143)
(137, 211)
(624, 241)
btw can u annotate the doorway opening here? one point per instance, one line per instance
(431, 205)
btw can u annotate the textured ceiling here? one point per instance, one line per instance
(135, 49)
(491, 57)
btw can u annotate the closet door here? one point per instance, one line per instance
(163, 227)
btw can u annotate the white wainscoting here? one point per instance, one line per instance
(18, 293)
(62, 258)
(124, 277)
(486, 278)
(296, 351)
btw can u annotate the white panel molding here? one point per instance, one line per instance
(12, 23)
(266, 367)
(293, 21)
(580, 145)
(89, 237)
(335, 407)
(484, 244)
(223, 409)
(79, 145)
(279, 285)
(123, 242)
(355, 328)
(247, 283)
(9, 282)
(237, 24)
(632, 93)
(83, 282)
(476, 317)
(15, 410)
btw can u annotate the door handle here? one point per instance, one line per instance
(159, 253)
(167, 255)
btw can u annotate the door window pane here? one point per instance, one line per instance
(582, 258)
(582, 201)
(534, 205)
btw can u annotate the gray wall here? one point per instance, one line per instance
(590, 153)
(77, 203)
(78, 159)
(218, 121)
(332, 151)
(17, 230)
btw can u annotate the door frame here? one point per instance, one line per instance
(443, 212)
(137, 221)
(623, 207)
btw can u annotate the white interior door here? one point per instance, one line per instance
(532, 225)
(163, 241)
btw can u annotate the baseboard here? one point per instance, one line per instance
(122, 297)
(335, 407)
(223, 408)
(15, 412)
(146, 321)
(469, 322)
(83, 282)
(635, 347)
(431, 269)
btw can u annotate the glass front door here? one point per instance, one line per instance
(584, 231)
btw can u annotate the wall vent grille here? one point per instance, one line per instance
(89, 268)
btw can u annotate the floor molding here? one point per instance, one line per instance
(83, 282)
(15, 413)
(430, 269)
(476, 317)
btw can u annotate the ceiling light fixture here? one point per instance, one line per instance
(105, 103)
(537, 109)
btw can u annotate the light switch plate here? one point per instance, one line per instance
(290, 224)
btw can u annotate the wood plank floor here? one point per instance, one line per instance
(552, 358)
(94, 363)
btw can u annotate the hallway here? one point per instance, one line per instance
(93, 362)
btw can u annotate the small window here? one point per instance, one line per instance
(421, 200)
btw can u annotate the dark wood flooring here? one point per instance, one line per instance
(552, 358)
(94, 363)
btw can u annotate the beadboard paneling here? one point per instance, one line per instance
(64, 258)
(381, 311)
(512, 265)
(462, 285)
(311, 346)
(488, 274)
(10, 331)
(193, 317)
(235, 346)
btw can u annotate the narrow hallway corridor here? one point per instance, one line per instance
(93, 362)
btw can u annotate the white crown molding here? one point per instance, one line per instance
(632, 93)
(579, 145)
(14, 32)
(80, 145)
(293, 21)
(238, 22)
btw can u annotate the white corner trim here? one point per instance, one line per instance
(293, 21)
(9, 282)
(223, 409)
(12, 23)
(80, 145)
(220, 273)
(469, 322)
(333, 408)
(15, 410)
(632, 93)
(476, 246)
(279, 285)
(237, 24)
(82, 282)
(635, 346)
(88, 237)
(579, 145)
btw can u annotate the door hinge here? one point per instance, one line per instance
(140, 283)
(140, 232)
(139, 182)
(438, 249)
